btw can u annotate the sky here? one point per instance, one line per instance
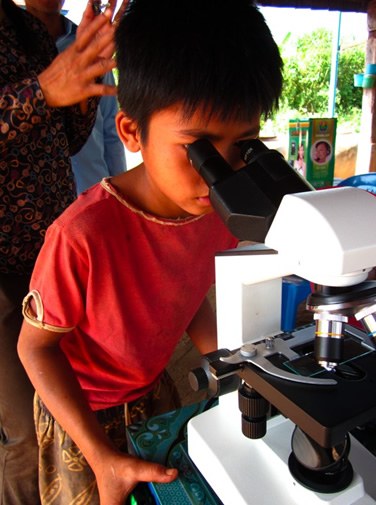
(283, 20)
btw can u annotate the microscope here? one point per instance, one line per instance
(290, 402)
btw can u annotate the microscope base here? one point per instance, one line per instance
(245, 471)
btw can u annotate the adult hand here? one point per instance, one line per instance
(72, 77)
(109, 9)
(118, 476)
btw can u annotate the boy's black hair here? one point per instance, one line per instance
(218, 54)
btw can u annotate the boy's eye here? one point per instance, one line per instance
(240, 142)
(233, 157)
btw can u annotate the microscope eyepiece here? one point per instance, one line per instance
(251, 149)
(246, 199)
(208, 162)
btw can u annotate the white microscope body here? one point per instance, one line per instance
(326, 237)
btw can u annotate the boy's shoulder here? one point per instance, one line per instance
(87, 207)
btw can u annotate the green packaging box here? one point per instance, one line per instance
(314, 139)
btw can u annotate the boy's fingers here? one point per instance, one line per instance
(153, 472)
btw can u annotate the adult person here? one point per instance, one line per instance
(103, 154)
(46, 115)
(126, 269)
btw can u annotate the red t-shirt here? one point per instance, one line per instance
(124, 286)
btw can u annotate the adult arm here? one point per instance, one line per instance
(69, 79)
(74, 75)
(22, 106)
(49, 371)
(92, 54)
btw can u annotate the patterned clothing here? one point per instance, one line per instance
(36, 180)
(36, 185)
(103, 154)
(65, 476)
(121, 286)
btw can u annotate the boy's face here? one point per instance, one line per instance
(175, 187)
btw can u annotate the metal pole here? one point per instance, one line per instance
(334, 67)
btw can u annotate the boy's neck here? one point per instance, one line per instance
(133, 186)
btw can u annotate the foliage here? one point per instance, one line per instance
(307, 67)
(351, 61)
(307, 73)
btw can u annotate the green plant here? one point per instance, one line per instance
(348, 98)
(307, 66)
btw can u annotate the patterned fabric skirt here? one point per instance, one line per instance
(65, 478)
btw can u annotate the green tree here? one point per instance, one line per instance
(307, 65)
(351, 61)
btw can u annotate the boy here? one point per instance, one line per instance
(126, 269)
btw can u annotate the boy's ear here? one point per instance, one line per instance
(128, 132)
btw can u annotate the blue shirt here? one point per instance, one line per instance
(103, 154)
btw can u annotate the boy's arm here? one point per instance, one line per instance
(55, 382)
(203, 328)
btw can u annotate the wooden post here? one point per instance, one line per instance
(366, 157)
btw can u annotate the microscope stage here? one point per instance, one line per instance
(326, 413)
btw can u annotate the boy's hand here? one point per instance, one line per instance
(119, 475)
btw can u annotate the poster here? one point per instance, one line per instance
(312, 149)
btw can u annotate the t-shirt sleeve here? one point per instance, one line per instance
(60, 277)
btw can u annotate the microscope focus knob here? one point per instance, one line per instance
(254, 409)
(198, 379)
(214, 376)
